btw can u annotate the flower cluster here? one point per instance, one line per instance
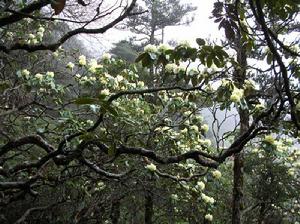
(216, 174)
(200, 185)
(93, 66)
(151, 167)
(150, 48)
(207, 199)
(36, 38)
(164, 47)
(82, 60)
(208, 217)
(171, 68)
(106, 56)
(269, 139)
(236, 95)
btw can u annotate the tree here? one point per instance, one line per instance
(125, 50)
(87, 148)
(158, 15)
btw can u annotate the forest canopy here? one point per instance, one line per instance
(150, 132)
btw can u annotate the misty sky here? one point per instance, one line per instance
(202, 27)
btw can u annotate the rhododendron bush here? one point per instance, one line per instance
(167, 138)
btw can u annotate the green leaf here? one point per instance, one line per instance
(200, 41)
(209, 60)
(147, 61)
(140, 57)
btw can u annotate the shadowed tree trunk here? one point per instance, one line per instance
(238, 180)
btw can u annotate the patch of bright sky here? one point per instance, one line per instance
(202, 26)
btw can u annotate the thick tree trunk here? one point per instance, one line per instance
(237, 188)
(148, 207)
(238, 176)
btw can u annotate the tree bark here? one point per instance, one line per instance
(238, 178)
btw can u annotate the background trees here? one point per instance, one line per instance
(157, 16)
(99, 141)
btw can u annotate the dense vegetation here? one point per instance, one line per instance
(204, 132)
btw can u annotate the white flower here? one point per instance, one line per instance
(25, 73)
(291, 172)
(297, 164)
(198, 118)
(105, 92)
(201, 185)
(41, 29)
(204, 128)
(140, 84)
(184, 131)
(171, 68)
(93, 65)
(187, 123)
(150, 48)
(216, 174)
(151, 167)
(205, 142)
(92, 78)
(192, 72)
(164, 47)
(207, 199)
(289, 141)
(103, 81)
(208, 217)
(90, 122)
(82, 60)
(50, 74)
(279, 146)
(39, 35)
(180, 69)
(174, 197)
(70, 65)
(195, 128)
(185, 44)
(269, 139)
(34, 41)
(187, 113)
(106, 56)
(31, 36)
(55, 54)
(39, 76)
(236, 95)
